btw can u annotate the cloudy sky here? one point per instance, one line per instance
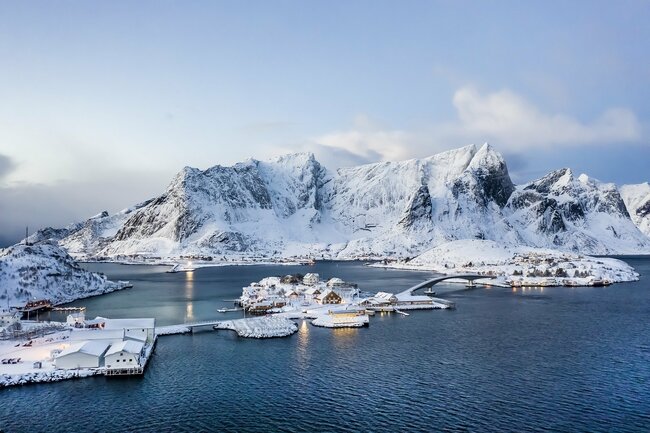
(102, 102)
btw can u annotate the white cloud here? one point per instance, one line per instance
(504, 118)
(509, 119)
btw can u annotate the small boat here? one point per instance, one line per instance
(227, 310)
(598, 283)
(403, 313)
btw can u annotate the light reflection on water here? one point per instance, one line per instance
(189, 296)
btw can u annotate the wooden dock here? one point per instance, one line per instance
(69, 309)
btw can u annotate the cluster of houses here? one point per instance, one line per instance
(117, 345)
(332, 303)
(272, 294)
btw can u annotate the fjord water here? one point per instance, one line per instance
(553, 359)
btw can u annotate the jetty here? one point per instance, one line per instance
(78, 309)
(250, 327)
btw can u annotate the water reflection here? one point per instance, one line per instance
(345, 338)
(302, 349)
(189, 312)
(189, 296)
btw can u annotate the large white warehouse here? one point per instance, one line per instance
(137, 329)
(125, 354)
(82, 355)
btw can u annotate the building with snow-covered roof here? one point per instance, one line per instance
(125, 354)
(108, 335)
(336, 282)
(311, 279)
(385, 297)
(312, 293)
(76, 319)
(290, 293)
(290, 279)
(137, 329)
(329, 297)
(87, 354)
(8, 319)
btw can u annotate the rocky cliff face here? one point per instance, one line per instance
(293, 206)
(637, 203)
(574, 213)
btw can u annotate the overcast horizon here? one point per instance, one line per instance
(102, 103)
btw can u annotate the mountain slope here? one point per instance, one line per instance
(637, 202)
(46, 271)
(574, 213)
(292, 206)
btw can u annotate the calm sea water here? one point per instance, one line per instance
(557, 359)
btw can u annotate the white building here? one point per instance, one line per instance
(125, 354)
(81, 355)
(385, 298)
(76, 319)
(8, 319)
(135, 329)
(110, 336)
(336, 282)
(312, 293)
(311, 279)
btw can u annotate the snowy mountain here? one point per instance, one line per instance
(46, 271)
(637, 202)
(292, 206)
(575, 214)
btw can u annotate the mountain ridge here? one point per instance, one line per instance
(293, 206)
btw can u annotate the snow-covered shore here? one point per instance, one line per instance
(518, 265)
(46, 376)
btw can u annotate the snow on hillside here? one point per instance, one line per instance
(517, 265)
(46, 271)
(291, 206)
(574, 214)
(637, 201)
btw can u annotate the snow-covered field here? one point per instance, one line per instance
(39, 350)
(518, 265)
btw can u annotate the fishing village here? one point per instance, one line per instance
(34, 348)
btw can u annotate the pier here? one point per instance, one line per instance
(69, 309)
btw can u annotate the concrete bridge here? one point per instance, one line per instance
(432, 282)
(202, 326)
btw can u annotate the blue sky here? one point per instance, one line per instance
(102, 102)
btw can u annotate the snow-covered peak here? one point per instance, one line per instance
(291, 205)
(487, 158)
(294, 159)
